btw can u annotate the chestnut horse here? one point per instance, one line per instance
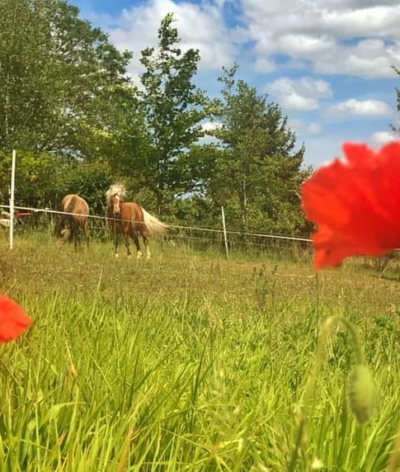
(69, 225)
(129, 218)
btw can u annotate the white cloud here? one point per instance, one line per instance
(330, 36)
(382, 137)
(304, 129)
(264, 66)
(304, 44)
(363, 21)
(200, 26)
(301, 94)
(360, 108)
(369, 58)
(334, 36)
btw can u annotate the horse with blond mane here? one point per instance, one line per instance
(129, 218)
(75, 217)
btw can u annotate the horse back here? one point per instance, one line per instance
(75, 204)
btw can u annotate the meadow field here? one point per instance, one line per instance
(190, 362)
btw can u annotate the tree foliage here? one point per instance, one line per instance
(257, 171)
(174, 109)
(25, 74)
(60, 79)
(38, 179)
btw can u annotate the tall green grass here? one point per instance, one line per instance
(189, 362)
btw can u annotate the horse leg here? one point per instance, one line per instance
(116, 245)
(76, 236)
(136, 241)
(127, 245)
(86, 232)
(74, 233)
(115, 233)
(145, 238)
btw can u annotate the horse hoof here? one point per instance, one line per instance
(129, 256)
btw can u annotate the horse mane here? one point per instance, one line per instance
(115, 189)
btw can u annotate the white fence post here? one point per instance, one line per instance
(14, 155)
(224, 228)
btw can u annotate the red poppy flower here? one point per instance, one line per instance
(355, 203)
(13, 320)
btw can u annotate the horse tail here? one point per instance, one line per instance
(71, 219)
(71, 206)
(154, 226)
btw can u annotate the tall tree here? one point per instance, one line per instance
(258, 170)
(93, 91)
(61, 81)
(25, 44)
(174, 109)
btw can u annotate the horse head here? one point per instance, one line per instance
(116, 201)
(63, 232)
(115, 195)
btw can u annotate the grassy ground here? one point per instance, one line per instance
(190, 362)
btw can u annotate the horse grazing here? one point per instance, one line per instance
(68, 225)
(130, 218)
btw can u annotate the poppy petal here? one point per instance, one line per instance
(355, 203)
(13, 319)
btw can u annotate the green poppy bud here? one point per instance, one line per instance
(362, 393)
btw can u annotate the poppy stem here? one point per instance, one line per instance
(309, 392)
(394, 458)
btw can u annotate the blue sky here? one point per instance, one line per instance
(326, 62)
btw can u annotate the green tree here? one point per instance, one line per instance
(92, 89)
(62, 84)
(258, 170)
(64, 93)
(25, 72)
(39, 179)
(90, 181)
(174, 109)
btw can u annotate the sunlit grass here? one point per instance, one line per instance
(188, 361)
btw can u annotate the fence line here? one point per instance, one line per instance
(193, 228)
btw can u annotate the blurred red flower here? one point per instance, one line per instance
(13, 320)
(355, 204)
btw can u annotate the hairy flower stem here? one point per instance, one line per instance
(309, 392)
(394, 458)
